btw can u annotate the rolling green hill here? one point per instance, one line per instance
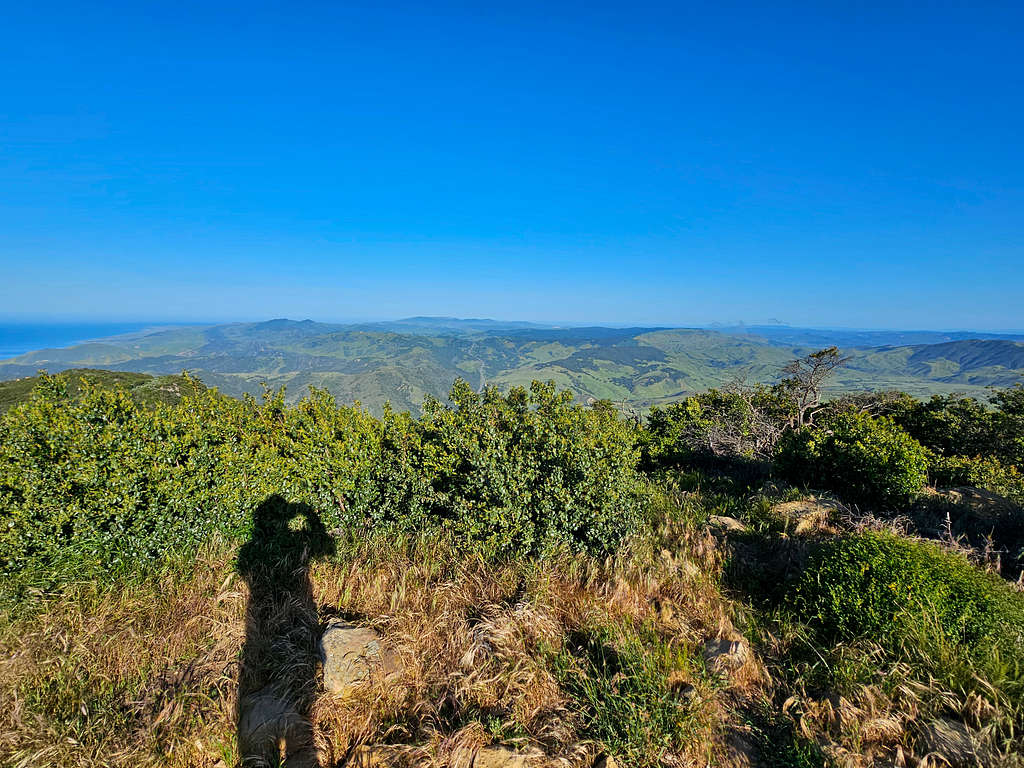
(405, 361)
(145, 389)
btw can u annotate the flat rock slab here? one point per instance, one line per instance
(726, 654)
(951, 741)
(810, 515)
(502, 757)
(348, 653)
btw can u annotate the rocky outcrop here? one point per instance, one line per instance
(503, 757)
(727, 524)
(350, 654)
(726, 654)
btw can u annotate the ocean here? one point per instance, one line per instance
(19, 338)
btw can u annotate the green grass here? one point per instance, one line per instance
(619, 678)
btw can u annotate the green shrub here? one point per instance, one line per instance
(865, 459)
(978, 472)
(741, 423)
(895, 591)
(523, 471)
(955, 425)
(950, 424)
(1009, 424)
(97, 482)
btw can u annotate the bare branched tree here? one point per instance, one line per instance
(804, 379)
(765, 424)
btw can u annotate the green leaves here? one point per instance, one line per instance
(895, 590)
(98, 482)
(866, 459)
(525, 471)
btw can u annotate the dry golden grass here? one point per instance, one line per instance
(473, 638)
(147, 674)
(136, 676)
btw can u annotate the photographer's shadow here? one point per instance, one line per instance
(277, 679)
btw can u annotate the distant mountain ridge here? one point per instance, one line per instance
(406, 360)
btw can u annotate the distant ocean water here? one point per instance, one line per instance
(19, 338)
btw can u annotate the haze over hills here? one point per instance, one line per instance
(403, 361)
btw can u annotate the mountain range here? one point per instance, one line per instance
(404, 361)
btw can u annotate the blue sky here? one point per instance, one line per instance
(841, 164)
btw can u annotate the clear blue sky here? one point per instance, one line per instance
(819, 163)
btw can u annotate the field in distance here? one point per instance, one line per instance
(404, 361)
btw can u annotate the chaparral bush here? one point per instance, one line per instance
(866, 459)
(743, 422)
(950, 424)
(99, 482)
(978, 472)
(518, 472)
(956, 425)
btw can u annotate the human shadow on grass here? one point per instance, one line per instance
(277, 679)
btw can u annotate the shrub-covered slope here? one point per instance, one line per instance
(145, 389)
(549, 583)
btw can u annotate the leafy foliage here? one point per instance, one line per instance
(522, 470)
(955, 425)
(739, 422)
(98, 482)
(866, 459)
(981, 472)
(950, 425)
(888, 588)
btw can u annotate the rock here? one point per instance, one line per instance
(984, 506)
(728, 524)
(503, 757)
(949, 740)
(349, 653)
(726, 654)
(810, 515)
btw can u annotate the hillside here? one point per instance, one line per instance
(146, 390)
(405, 361)
(512, 581)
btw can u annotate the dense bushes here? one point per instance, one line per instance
(521, 470)
(98, 482)
(866, 459)
(980, 472)
(955, 425)
(742, 422)
(889, 588)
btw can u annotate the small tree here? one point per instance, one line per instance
(804, 379)
(1009, 421)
